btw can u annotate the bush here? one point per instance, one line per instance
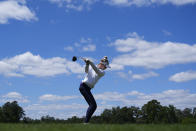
(189, 121)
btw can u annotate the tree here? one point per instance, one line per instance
(179, 115)
(12, 112)
(27, 120)
(137, 113)
(75, 119)
(106, 116)
(1, 115)
(122, 115)
(151, 111)
(163, 114)
(116, 116)
(172, 114)
(194, 112)
(187, 113)
(47, 119)
(96, 119)
(119, 115)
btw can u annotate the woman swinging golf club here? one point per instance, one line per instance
(93, 74)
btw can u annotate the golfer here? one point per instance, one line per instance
(93, 74)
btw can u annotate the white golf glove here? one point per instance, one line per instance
(87, 61)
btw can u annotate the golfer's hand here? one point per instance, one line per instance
(87, 61)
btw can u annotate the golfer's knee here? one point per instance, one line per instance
(94, 106)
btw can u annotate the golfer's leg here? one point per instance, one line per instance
(92, 106)
(84, 94)
(85, 91)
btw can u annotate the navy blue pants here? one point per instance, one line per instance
(85, 91)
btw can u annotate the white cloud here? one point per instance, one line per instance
(141, 53)
(54, 107)
(85, 45)
(89, 47)
(140, 3)
(15, 9)
(183, 76)
(74, 7)
(144, 76)
(63, 111)
(29, 64)
(13, 96)
(110, 96)
(116, 66)
(51, 97)
(130, 76)
(178, 98)
(174, 2)
(135, 93)
(77, 5)
(167, 33)
(69, 48)
(127, 3)
(87, 40)
(80, 5)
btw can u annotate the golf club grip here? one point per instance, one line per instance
(82, 58)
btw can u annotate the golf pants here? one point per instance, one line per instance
(85, 91)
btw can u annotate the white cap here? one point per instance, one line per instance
(105, 61)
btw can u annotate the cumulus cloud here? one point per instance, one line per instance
(13, 96)
(174, 2)
(167, 33)
(140, 3)
(77, 5)
(80, 5)
(116, 66)
(138, 52)
(144, 76)
(110, 96)
(130, 76)
(68, 48)
(178, 98)
(29, 64)
(51, 97)
(15, 9)
(127, 2)
(84, 45)
(53, 107)
(183, 76)
(89, 47)
(63, 111)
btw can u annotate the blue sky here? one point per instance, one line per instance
(151, 46)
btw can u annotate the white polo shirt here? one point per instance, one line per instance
(92, 77)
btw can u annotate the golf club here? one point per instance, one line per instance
(75, 58)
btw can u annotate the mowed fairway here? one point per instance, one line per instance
(96, 127)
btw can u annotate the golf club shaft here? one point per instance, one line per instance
(80, 57)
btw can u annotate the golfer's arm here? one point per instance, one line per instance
(86, 68)
(96, 69)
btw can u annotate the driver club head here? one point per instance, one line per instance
(74, 58)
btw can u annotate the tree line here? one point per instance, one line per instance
(151, 112)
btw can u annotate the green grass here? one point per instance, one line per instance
(96, 127)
